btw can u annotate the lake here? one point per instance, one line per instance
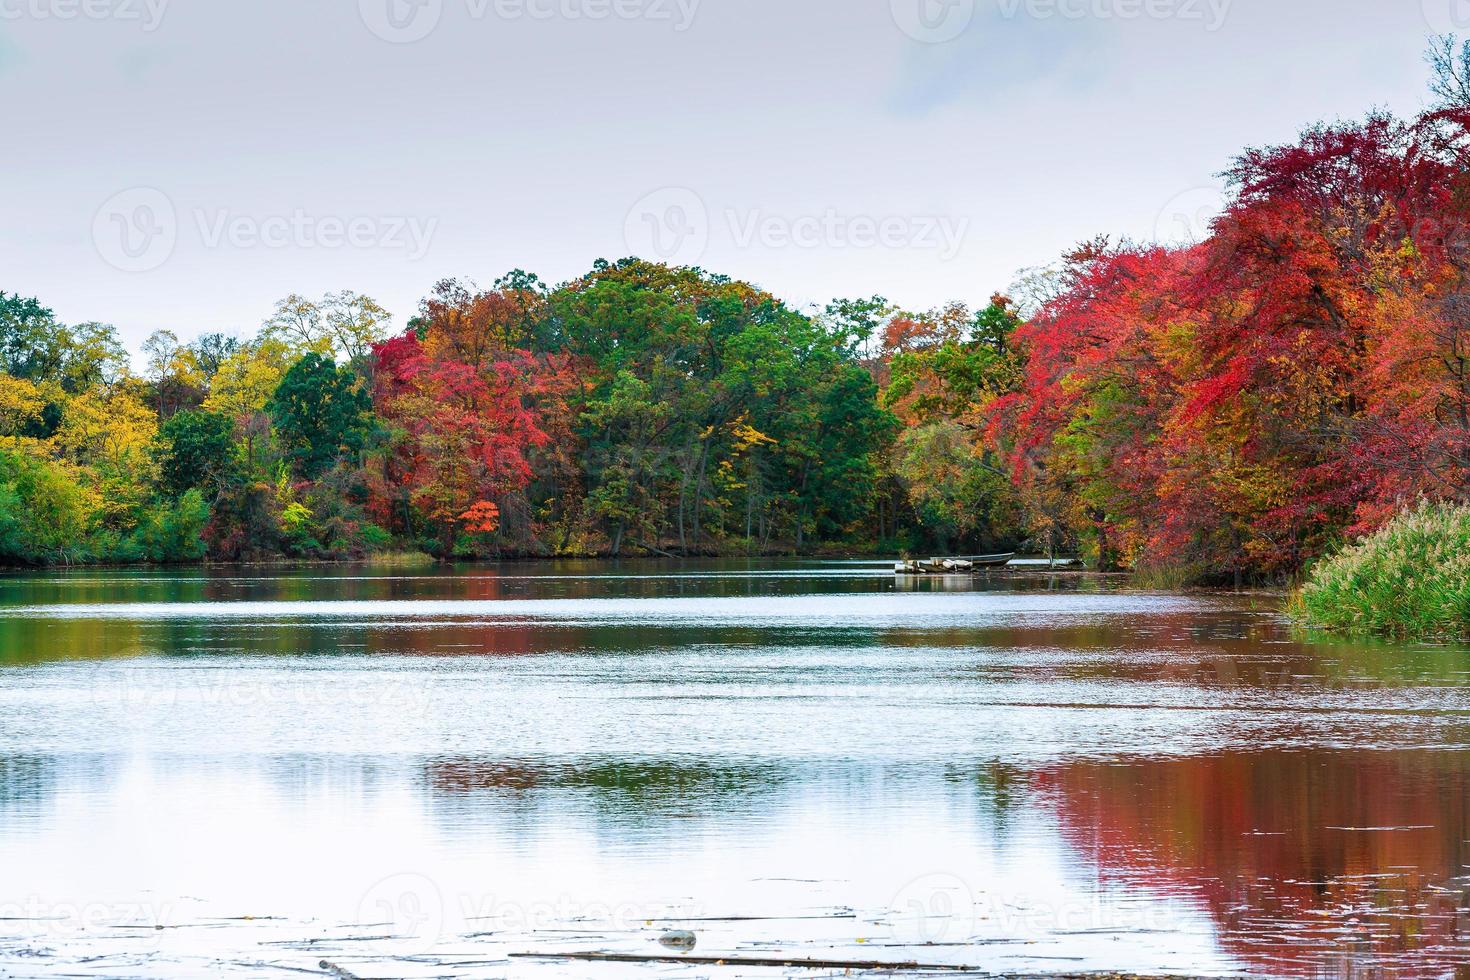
(426, 774)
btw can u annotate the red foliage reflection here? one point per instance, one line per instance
(1312, 863)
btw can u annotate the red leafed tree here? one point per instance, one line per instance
(482, 518)
(1239, 404)
(461, 436)
(476, 327)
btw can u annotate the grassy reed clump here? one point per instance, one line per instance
(1167, 578)
(400, 559)
(1410, 580)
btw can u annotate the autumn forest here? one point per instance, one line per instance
(1229, 408)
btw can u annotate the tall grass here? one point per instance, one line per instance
(400, 559)
(1410, 580)
(1166, 578)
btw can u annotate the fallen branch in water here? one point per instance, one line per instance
(309, 943)
(337, 971)
(262, 965)
(797, 963)
(750, 918)
(779, 962)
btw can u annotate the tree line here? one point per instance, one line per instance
(1230, 408)
(639, 409)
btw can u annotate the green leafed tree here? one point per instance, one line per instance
(321, 413)
(170, 531)
(43, 512)
(31, 341)
(195, 449)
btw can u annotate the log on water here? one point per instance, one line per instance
(767, 961)
(816, 964)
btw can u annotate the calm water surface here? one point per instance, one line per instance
(424, 774)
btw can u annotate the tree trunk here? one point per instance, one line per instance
(699, 492)
(1106, 561)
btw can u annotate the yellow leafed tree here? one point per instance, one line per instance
(115, 428)
(21, 404)
(247, 380)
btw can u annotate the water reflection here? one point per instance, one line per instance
(26, 781)
(1310, 862)
(549, 580)
(620, 792)
(425, 773)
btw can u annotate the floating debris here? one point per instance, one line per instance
(678, 939)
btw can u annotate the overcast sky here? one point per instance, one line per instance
(183, 164)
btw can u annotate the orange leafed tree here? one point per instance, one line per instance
(1237, 405)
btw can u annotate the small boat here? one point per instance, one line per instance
(951, 566)
(993, 561)
(1049, 564)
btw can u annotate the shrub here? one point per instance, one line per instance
(1410, 580)
(298, 530)
(339, 524)
(169, 531)
(375, 540)
(43, 512)
(245, 522)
